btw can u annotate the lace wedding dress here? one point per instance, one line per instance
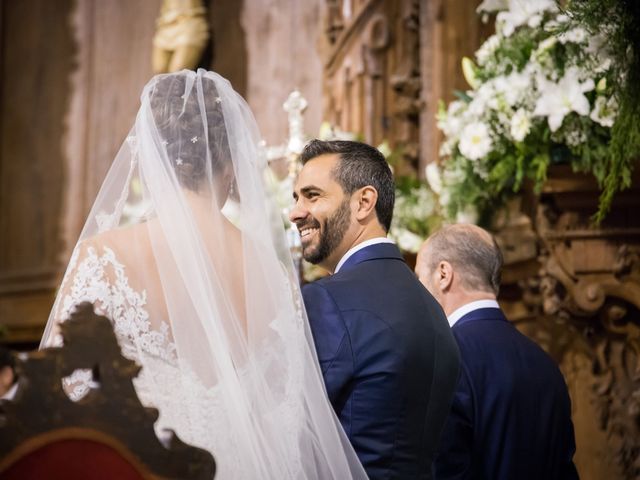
(185, 252)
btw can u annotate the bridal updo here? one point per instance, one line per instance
(191, 125)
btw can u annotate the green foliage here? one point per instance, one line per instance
(622, 30)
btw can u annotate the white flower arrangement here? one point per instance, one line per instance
(538, 96)
(415, 214)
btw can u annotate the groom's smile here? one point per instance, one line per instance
(306, 232)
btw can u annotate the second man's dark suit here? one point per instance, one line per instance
(511, 414)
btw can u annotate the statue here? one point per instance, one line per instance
(181, 35)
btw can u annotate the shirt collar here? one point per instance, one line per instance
(9, 394)
(358, 247)
(470, 307)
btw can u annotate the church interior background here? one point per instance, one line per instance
(70, 76)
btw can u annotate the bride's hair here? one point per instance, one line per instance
(192, 137)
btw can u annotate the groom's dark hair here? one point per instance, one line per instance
(359, 165)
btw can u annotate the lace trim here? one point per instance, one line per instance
(116, 300)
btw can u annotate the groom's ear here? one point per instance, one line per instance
(366, 198)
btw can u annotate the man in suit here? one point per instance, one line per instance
(511, 413)
(387, 355)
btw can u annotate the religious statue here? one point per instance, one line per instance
(181, 35)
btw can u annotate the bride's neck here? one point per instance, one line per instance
(202, 204)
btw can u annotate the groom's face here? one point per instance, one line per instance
(322, 212)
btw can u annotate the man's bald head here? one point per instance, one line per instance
(471, 251)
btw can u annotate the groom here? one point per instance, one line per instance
(387, 355)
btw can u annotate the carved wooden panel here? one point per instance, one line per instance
(34, 98)
(71, 75)
(372, 73)
(580, 300)
(387, 65)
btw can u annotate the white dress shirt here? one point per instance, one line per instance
(360, 246)
(470, 307)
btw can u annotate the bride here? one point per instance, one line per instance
(184, 250)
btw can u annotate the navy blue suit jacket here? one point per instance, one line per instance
(511, 414)
(388, 359)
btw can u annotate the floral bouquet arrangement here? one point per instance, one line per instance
(415, 214)
(544, 90)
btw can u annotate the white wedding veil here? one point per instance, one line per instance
(185, 251)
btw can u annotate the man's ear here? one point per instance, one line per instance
(445, 275)
(367, 197)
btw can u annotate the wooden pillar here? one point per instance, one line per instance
(71, 76)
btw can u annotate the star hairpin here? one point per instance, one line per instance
(179, 161)
(194, 139)
(218, 100)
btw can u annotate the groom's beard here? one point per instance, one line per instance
(329, 235)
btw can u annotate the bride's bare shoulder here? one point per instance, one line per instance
(120, 240)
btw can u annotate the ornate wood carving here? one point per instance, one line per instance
(334, 22)
(581, 301)
(372, 75)
(407, 84)
(71, 76)
(111, 413)
(590, 278)
(33, 100)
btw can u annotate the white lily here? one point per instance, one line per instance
(523, 12)
(520, 125)
(492, 5)
(557, 100)
(605, 111)
(485, 97)
(432, 172)
(575, 35)
(475, 141)
(487, 49)
(513, 86)
(469, 72)
(450, 122)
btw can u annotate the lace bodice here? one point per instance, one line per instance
(98, 277)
